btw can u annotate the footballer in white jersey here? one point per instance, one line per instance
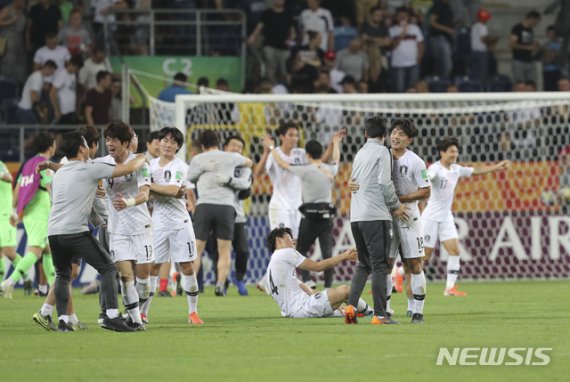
(437, 217)
(173, 237)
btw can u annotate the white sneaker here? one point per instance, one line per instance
(7, 288)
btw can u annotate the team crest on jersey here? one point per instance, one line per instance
(167, 176)
(297, 160)
(427, 237)
(129, 177)
(178, 175)
(404, 170)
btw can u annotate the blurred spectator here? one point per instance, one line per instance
(311, 53)
(319, 20)
(365, 8)
(96, 63)
(353, 61)
(348, 84)
(65, 7)
(452, 89)
(103, 12)
(519, 86)
(530, 86)
(441, 33)
(116, 101)
(340, 8)
(280, 33)
(323, 83)
(363, 87)
(63, 93)
(98, 100)
(29, 108)
(265, 86)
(408, 50)
(141, 38)
(43, 18)
(421, 86)
(51, 51)
(335, 75)
(551, 60)
(74, 35)
(562, 28)
(524, 48)
(564, 84)
(481, 43)
(301, 75)
(222, 85)
(12, 26)
(344, 34)
(375, 30)
(203, 81)
(178, 86)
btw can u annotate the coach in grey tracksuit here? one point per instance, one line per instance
(371, 210)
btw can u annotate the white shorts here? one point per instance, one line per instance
(317, 305)
(178, 245)
(132, 247)
(408, 239)
(279, 218)
(442, 231)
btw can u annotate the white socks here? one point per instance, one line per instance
(419, 291)
(143, 289)
(151, 291)
(46, 310)
(190, 286)
(362, 306)
(73, 320)
(112, 313)
(131, 300)
(452, 271)
(389, 287)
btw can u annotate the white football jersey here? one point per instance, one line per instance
(286, 185)
(169, 212)
(409, 174)
(443, 182)
(134, 220)
(283, 281)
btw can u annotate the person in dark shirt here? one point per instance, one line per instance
(43, 18)
(302, 75)
(524, 48)
(280, 24)
(441, 32)
(98, 100)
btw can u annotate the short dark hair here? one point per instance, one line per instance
(446, 143)
(174, 133)
(273, 235)
(312, 34)
(314, 149)
(51, 34)
(406, 125)
(282, 130)
(152, 136)
(376, 127)
(50, 64)
(533, 15)
(236, 137)
(375, 8)
(43, 141)
(209, 138)
(90, 133)
(222, 82)
(76, 60)
(70, 143)
(203, 81)
(180, 77)
(120, 130)
(101, 75)
(403, 9)
(551, 28)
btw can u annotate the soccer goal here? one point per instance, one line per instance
(511, 224)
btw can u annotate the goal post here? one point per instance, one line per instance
(512, 225)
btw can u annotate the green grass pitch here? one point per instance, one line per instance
(245, 339)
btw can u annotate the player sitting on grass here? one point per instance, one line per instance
(293, 297)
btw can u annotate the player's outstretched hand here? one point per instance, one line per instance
(351, 254)
(268, 141)
(503, 165)
(119, 202)
(42, 166)
(401, 213)
(139, 161)
(181, 192)
(353, 186)
(100, 192)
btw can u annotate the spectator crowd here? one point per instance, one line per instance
(54, 52)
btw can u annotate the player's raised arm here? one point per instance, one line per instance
(323, 265)
(501, 166)
(278, 159)
(129, 167)
(268, 142)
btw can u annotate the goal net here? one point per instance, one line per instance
(511, 224)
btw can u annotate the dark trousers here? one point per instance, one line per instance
(309, 231)
(84, 245)
(373, 245)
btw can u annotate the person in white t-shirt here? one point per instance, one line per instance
(480, 43)
(295, 299)
(437, 217)
(63, 93)
(96, 63)
(173, 234)
(51, 51)
(319, 20)
(29, 106)
(407, 51)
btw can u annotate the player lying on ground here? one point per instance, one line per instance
(295, 299)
